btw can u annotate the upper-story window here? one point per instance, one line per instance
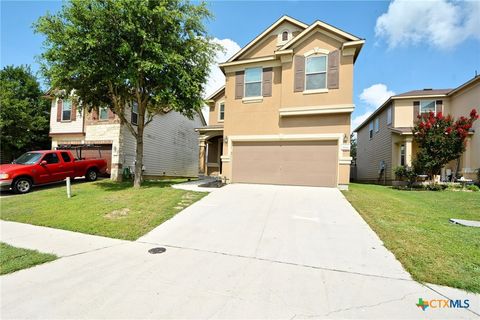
(253, 82)
(284, 35)
(103, 113)
(389, 115)
(316, 72)
(377, 124)
(66, 110)
(221, 111)
(134, 116)
(370, 130)
(427, 106)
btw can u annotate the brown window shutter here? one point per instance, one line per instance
(299, 80)
(73, 115)
(333, 72)
(267, 82)
(59, 110)
(439, 106)
(416, 110)
(111, 115)
(95, 114)
(239, 79)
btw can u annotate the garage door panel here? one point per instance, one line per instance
(309, 163)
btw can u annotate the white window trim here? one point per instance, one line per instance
(280, 40)
(245, 98)
(100, 114)
(434, 101)
(63, 103)
(219, 110)
(376, 125)
(314, 53)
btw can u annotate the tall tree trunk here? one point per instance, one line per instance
(137, 182)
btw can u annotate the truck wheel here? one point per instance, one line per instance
(91, 175)
(22, 185)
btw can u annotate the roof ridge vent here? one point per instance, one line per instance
(427, 89)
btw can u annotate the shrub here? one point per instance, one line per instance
(473, 187)
(435, 187)
(400, 172)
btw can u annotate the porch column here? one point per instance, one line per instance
(201, 156)
(467, 156)
(408, 151)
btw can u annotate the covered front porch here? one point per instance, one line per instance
(404, 150)
(210, 150)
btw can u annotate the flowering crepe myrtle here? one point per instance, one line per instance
(440, 139)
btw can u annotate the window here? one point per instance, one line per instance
(221, 111)
(65, 156)
(134, 118)
(370, 130)
(389, 115)
(253, 82)
(284, 35)
(66, 110)
(103, 113)
(51, 158)
(316, 72)
(377, 124)
(427, 106)
(402, 155)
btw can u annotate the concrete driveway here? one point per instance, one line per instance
(244, 251)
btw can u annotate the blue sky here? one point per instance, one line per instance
(409, 45)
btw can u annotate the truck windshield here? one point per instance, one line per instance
(28, 158)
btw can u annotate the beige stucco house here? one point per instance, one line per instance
(170, 142)
(385, 138)
(283, 116)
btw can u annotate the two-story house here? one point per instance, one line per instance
(283, 116)
(170, 142)
(386, 139)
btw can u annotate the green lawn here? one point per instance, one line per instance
(13, 259)
(103, 208)
(414, 226)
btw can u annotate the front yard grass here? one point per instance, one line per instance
(13, 259)
(104, 208)
(415, 226)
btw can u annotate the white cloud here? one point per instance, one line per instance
(217, 78)
(375, 95)
(440, 23)
(372, 98)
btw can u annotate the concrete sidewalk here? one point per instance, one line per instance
(48, 240)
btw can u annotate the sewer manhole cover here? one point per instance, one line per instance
(157, 250)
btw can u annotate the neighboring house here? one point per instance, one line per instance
(283, 116)
(386, 138)
(170, 142)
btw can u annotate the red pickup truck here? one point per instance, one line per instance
(47, 166)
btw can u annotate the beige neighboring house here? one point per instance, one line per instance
(170, 142)
(386, 138)
(283, 116)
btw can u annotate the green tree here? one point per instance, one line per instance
(117, 53)
(353, 148)
(440, 139)
(24, 114)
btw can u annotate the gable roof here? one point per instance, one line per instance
(322, 25)
(216, 93)
(418, 94)
(267, 31)
(424, 92)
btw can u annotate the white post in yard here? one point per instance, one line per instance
(69, 188)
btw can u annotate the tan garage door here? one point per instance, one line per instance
(304, 163)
